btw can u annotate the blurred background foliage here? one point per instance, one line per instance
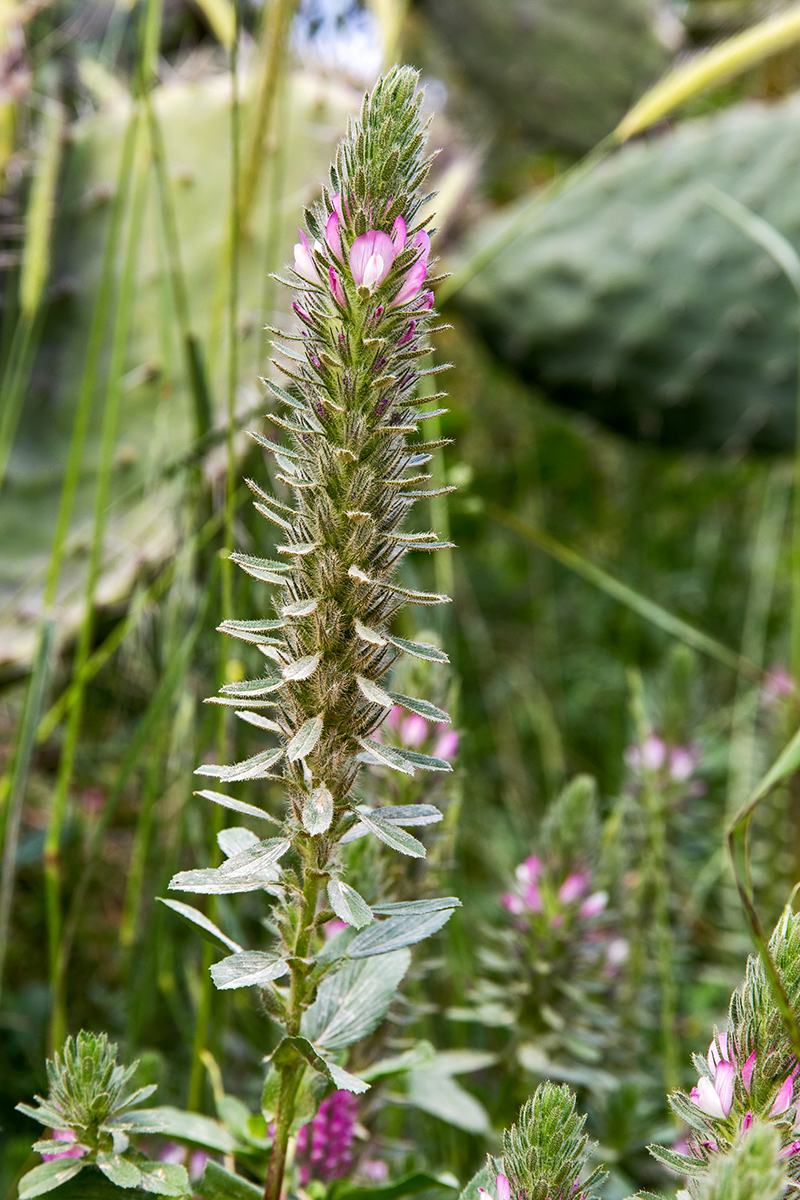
(623, 413)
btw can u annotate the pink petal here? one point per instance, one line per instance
(788, 1151)
(412, 284)
(422, 242)
(304, 264)
(705, 1097)
(533, 899)
(427, 301)
(720, 1043)
(723, 1084)
(573, 887)
(594, 904)
(414, 731)
(503, 1188)
(747, 1122)
(399, 234)
(332, 236)
(529, 870)
(512, 903)
(70, 1151)
(395, 716)
(682, 762)
(371, 258)
(747, 1071)
(447, 745)
(617, 952)
(783, 1099)
(336, 288)
(654, 753)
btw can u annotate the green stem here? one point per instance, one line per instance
(291, 1074)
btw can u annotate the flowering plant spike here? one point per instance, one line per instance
(352, 463)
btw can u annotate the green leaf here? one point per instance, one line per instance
(372, 692)
(384, 936)
(417, 907)
(318, 810)
(348, 905)
(256, 767)
(305, 739)
(438, 1094)
(483, 1179)
(44, 1113)
(265, 569)
(421, 707)
(292, 1049)
(48, 1176)
(209, 930)
(300, 608)
(395, 814)
(353, 1001)
(164, 1179)
(91, 1184)
(247, 810)
(219, 1184)
(249, 631)
(303, 668)
(387, 756)
(421, 1055)
(398, 839)
(235, 840)
(424, 761)
(258, 721)
(175, 1123)
(422, 650)
(256, 858)
(246, 688)
(407, 1185)
(122, 1173)
(246, 969)
(209, 881)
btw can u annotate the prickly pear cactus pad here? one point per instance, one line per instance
(156, 423)
(634, 300)
(562, 71)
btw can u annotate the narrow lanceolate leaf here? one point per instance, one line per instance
(264, 569)
(397, 838)
(305, 739)
(423, 708)
(248, 810)
(397, 931)
(248, 969)
(210, 931)
(351, 1003)
(412, 596)
(300, 608)
(230, 702)
(302, 668)
(255, 859)
(371, 636)
(236, 839)
(373, 693)
(418, 908)
(348, 905)
(253, 687)
(387, 755)
(421, 650)
(318, 810)
(424, 761)
(396, 814)
(249, 631)
(208, 881)
(260, 722)
(256, 767)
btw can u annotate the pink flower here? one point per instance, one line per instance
(748, 1121)
(447, 745)
(395, 716)
(331, 928)
(399, 234)
(715, 1099)
(529, 870)
(414, 730)
(682, 762)
(788, 1151)
(371, 258)
(784, 1098)
(533, 898)
(65, 1135)
(593, 905)
(617, 952)
(336, 288)
(333, 237)
(573, 887)
(512, 903)
(304, 264)
(502, 1187)
(417, 271)
(718, 1051)
(654, 753)
(747, 1071)
(777, 684)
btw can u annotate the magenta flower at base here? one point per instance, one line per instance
(325, 1145)
(70, 1151)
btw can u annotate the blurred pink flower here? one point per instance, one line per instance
(395, 716)
(529, 870)
(414, 730)
(593, 905)
(573, 887)
(683, 762)
(374, 1169)
(653, 752)
(777, 684)
(331, 928)
(447, 745)
(617, 952)
(66, 1136)
(512, 902)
